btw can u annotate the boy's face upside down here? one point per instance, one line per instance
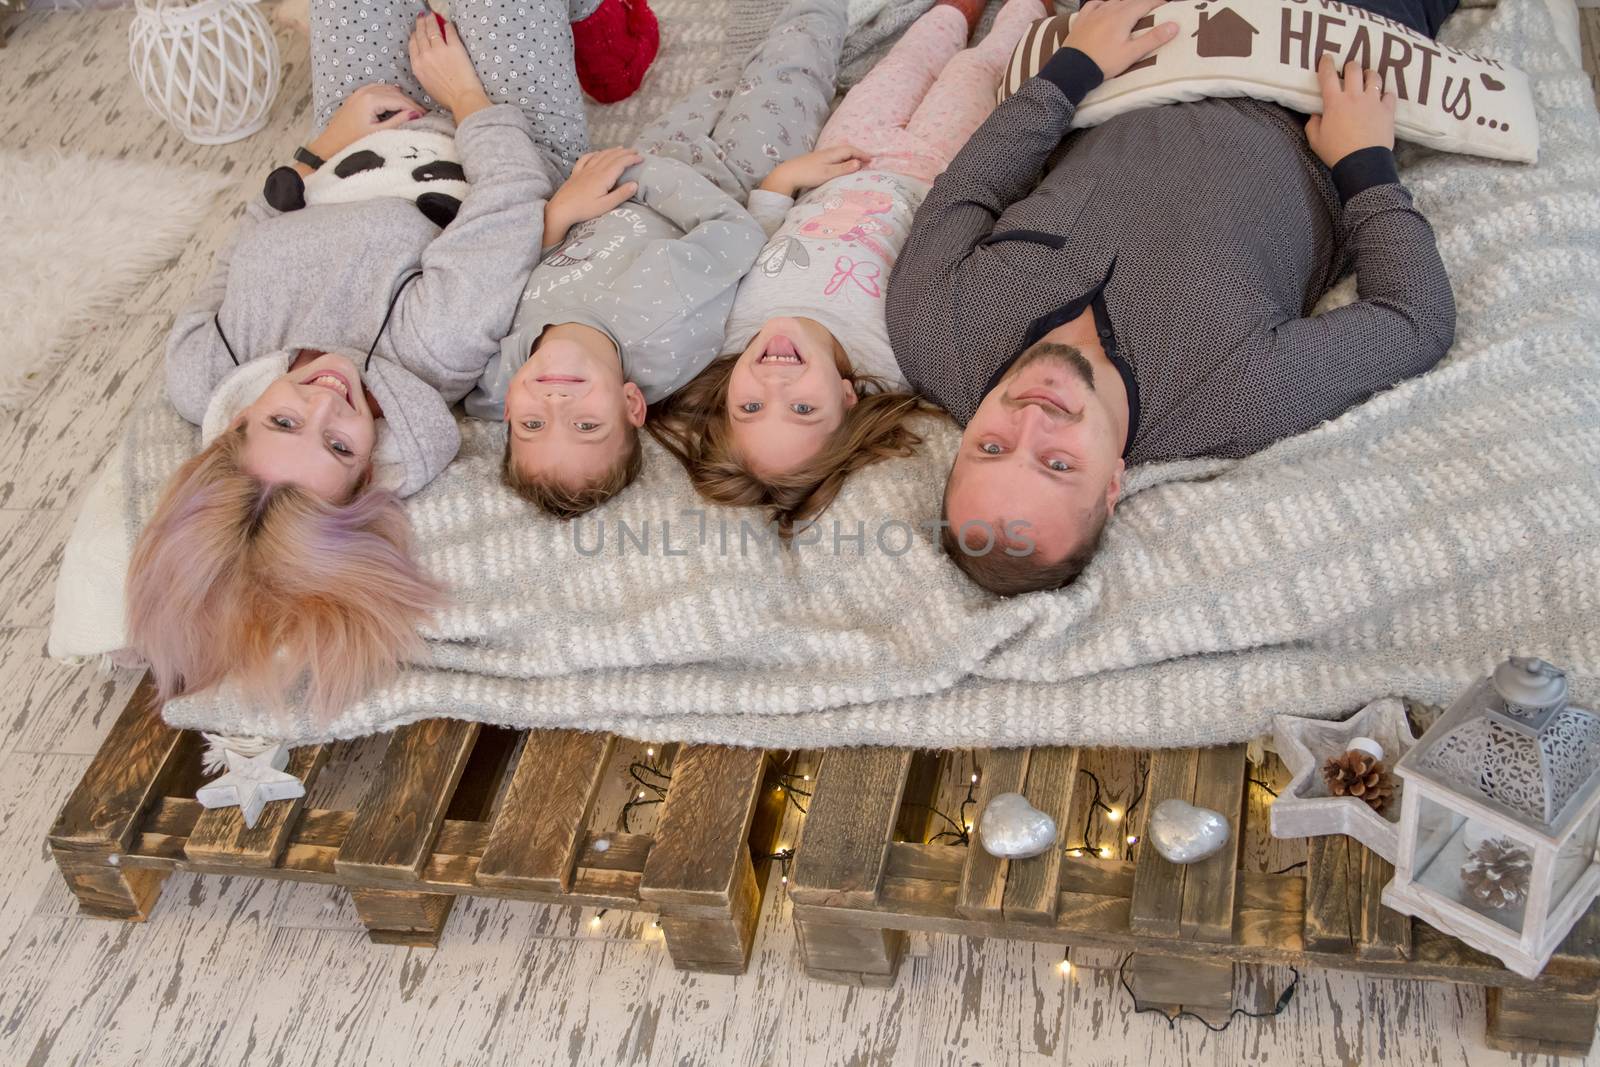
(788, 393)
(571, 417)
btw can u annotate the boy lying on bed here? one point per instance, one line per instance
(1149, 297)
(630, 304)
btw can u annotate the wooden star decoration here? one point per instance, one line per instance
(1305, 808)
(251, 783)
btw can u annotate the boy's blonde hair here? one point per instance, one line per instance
(235, 578)
(568, 502)
(694, 426)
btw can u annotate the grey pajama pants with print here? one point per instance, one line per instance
(522, 50)
(751, 116)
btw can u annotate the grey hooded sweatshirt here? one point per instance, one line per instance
(657, 275)
(326, 276)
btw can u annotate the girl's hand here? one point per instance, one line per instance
(1103, 31)
(1356, 113)
(590, 192)
(443, 68)
(813, 169)
(361, 113)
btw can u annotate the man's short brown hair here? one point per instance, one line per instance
(568, 502)
(1007, 573)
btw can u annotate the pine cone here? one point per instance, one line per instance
(1357, 774)
(1496, 873)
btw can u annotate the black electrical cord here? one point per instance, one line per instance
(1172, 1019)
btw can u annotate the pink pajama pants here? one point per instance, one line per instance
(917, 107)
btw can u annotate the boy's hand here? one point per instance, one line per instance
(360, 114)
(1356, 113)
(1103, 31)
(590, 192)
(443, 68)
(813, 169)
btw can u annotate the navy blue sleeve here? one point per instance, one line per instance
(1073, 72)
(1364, 168)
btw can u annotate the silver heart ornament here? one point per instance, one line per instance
(1184, 833)
(1013, 829)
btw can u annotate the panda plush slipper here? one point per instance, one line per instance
(419, 165)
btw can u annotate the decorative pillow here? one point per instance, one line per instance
(1268, 49)
(88, 619)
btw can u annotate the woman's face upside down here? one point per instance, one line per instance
(313, 428)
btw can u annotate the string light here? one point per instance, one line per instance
(960, 831)
(790, 785)
(652, 782)
(783, 856)
(1172, 1020)
(594, 923)
(1097, 803)
(1065, 966)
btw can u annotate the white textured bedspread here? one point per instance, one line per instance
(1400, 549)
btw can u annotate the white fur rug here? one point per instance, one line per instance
(80, 235)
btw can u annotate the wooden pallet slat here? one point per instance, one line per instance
(1381, 933)
(538, 832)
(1157, 904)
(220, 837)
(983, 880)
(1333, 894)
(396, 822)
(1033, 885)
(1208, 885)
(103, 814)
(126, 777)
(853, 813)
(699, 871)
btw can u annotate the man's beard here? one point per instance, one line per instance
(1061, 355)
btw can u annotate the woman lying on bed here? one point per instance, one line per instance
(362, 295)
(809, 390)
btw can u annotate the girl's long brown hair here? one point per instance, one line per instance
(264, 585)
(694, 427)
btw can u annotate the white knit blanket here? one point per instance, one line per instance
(1401, 549)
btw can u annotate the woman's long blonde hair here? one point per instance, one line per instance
(234, 578)
(694, 426)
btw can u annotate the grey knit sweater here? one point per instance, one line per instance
(657, 275)
(325, 276)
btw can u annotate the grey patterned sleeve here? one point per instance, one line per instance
(999, 166)
(449, 323)
(1308, 370)
(197, 359)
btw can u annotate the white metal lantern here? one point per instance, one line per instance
(1500, 817)
(209, 67)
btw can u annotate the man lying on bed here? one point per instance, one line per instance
(1149, 298)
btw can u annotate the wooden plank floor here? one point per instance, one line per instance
(234, 970)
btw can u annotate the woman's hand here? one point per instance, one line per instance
(589, 193)
(813, 169)
(443, 68)
(1356, 113)
(362, 112)
(1103, 31)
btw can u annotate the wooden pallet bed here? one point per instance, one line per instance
(453, 809)
(865, 873)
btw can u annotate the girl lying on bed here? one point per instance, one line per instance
(361, 296)
(808, 389)
(630, 301)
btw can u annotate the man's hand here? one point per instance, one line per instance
(443, 68)
(1103, 31)
(361, 113)
(795, 176)
(590, 192)
(1356, 113)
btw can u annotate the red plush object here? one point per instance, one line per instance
(972, 9)
(614, 47)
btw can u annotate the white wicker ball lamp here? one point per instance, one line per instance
(209, 67)
(1500, 817)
